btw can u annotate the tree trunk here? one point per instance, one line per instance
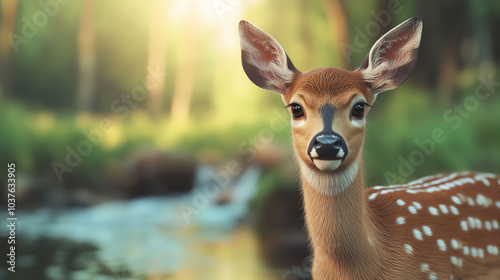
(86, 87)
(156, 57)
(336, 16)
(7, 25)
(305, 34)
(184, 83)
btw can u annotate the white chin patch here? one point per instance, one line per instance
(327, 165)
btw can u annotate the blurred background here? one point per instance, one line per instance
(142, 151)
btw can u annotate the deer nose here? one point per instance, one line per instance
(332, 140)
(328, 146)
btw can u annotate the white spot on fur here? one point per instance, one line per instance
(373, 196)
(417, 205)
(454, 210)
(488, 249)
(412, 209)
(433, 276)
(495, 224)
(466, 250)
(400, 220)
(445, 187)
(441, 245)
(456, 200)
(473, 252)
(386, 191)
(454, 244)
(471, 201)
(424, 267)
(482, 177)
(408, 249)
(433, 189)
(433, 211)
(472, 222)
(443, 208)
(400, 202)
(454, 260)
(463, 224)
(497, 203)
(427, 230)
(487, 225)
(492, 249)
(482, 200)
(478, 223)
(418, 234)
(480, 253)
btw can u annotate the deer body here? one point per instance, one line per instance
(440, 227)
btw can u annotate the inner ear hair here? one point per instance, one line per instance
(264, 60)
(393, 57)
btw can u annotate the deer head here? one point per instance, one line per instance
(328, 106)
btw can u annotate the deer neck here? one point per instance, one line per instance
(341, 228)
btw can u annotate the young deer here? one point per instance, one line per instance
(437, 227)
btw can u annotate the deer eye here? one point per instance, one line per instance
(358, 111)
(297, 111)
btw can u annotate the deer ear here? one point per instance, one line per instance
(264, 59)
(393, 57)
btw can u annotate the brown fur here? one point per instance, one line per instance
(339, 225)
(413, 231)
(327, 85)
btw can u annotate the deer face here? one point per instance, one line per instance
(328, 106)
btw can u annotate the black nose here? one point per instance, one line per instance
(331, 140)
(328, 146)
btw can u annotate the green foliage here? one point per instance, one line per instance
(39, 121)
(409, 117)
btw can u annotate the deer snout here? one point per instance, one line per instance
(327, 151)
(331, 140)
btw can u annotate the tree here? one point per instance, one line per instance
(156, 56)
(336, 16)
(86, 87)
(7, 25)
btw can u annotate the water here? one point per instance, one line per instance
(148, 238)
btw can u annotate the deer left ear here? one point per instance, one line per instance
(264, 59)
(393, 57)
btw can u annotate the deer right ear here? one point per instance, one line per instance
(393, 57)
(264, 59)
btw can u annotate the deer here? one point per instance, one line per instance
(443, 226)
